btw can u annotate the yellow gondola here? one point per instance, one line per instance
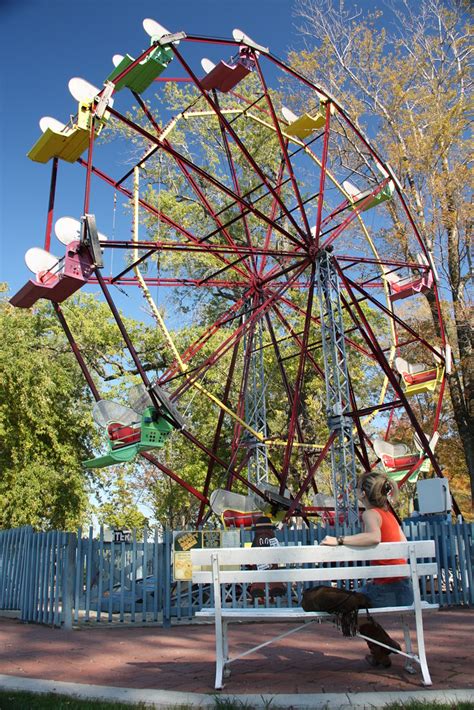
(66, 142)
(416, 379)
(302, 126)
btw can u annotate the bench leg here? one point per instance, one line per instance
(408, 648)
(218, 684)
(420, 638)
(225, 648)
(222, 654)
(219, 654)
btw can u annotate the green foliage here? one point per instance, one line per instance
(405, 75)
(45, 408)
(44, 422)
(119, 509)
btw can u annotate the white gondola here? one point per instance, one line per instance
(105, 412)
(83, 91)
(52, 123)
(398, 459)
(157, 31)
(235, 509)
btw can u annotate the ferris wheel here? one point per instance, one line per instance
(288, 269)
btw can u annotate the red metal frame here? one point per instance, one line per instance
(277, 282)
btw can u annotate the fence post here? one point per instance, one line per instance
(167, 540)
(69, 577)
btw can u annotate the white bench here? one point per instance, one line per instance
(225, 566)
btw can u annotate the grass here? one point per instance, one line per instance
(428, 705)
(16, 700)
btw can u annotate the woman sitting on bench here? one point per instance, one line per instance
(376, 493)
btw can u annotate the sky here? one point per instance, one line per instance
(45, 43)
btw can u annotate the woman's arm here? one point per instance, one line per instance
(371, 536)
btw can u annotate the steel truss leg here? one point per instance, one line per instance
(255, 407)
(337, 390)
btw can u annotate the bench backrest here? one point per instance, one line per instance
(332, 562)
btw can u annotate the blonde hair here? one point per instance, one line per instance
(378, 489)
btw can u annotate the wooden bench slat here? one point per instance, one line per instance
(313, 574)
(307, 554)
(297, 613)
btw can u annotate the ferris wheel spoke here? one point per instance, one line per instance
(202, 173)
(390, 313)
(273, 212)
(174, 476)
(218, 429)
(286, 384)
(284, 150)
(349, 341)
(322, 178)
(355, 212)
(362, 454)
(226, 317)
(367, 333)
(224, 122)
(243, 388)
(256, 313)
(296, 339)
(207, 205)
(310, 477)
(236, 185)
(299, 380)
(162, 217)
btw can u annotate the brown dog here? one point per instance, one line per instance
(378, 655)
(343, 604)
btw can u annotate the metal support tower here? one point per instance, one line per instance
(337, 390)
(255, 409)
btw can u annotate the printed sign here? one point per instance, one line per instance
(184, 542)
(122, 536)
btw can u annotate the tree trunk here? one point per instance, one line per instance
(461, 398)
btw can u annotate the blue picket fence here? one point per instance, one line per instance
(61, 579)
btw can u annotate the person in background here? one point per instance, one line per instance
(376, 493)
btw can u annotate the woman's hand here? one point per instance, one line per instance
(329, 540)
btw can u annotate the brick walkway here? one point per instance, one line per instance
(316, 660)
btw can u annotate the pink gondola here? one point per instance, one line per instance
(224, 76)
(410, 285)
(64, 277)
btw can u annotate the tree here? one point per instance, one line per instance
(119, 509)
(46, 424)
(406, 77)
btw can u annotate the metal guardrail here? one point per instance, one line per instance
(60, 578)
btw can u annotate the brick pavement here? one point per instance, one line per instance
(316, 660)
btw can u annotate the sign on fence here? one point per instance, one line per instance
(184, 542)
(122, 536)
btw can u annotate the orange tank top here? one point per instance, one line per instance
(390, 532)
